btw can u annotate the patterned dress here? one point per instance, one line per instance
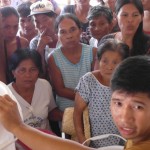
(97, 97)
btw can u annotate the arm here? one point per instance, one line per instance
(43, 41)
(57, 80)
(79, 107)
(10, 118)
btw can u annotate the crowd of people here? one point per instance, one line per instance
(81, 56)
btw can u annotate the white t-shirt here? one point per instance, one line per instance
(6, 136)
(36, 113)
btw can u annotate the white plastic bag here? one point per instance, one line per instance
(113, 147)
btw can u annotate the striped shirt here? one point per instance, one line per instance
(71, 73)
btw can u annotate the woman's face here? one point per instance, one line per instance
(99, 27)
(10, 27)
(129, 19)
(68, 33)
(26, 74)
(109, 62)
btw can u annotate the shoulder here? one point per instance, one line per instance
(43, 84)
(145, 145)
(54, 53)
(10, 85)
(86, 76)
(86, 45)
(4, 89)
(3, 86)
(24, 42)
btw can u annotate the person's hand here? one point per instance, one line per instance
(9, 114)
(43, 41)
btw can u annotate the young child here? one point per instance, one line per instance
(93, 91)
(130, 105)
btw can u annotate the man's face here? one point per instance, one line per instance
(131, 113)
(44, 22)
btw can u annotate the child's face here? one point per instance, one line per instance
(99, 27)
(108, 63)
(131, 114)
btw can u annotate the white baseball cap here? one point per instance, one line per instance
(41, 7)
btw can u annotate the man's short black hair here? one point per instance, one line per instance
(132, 75)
